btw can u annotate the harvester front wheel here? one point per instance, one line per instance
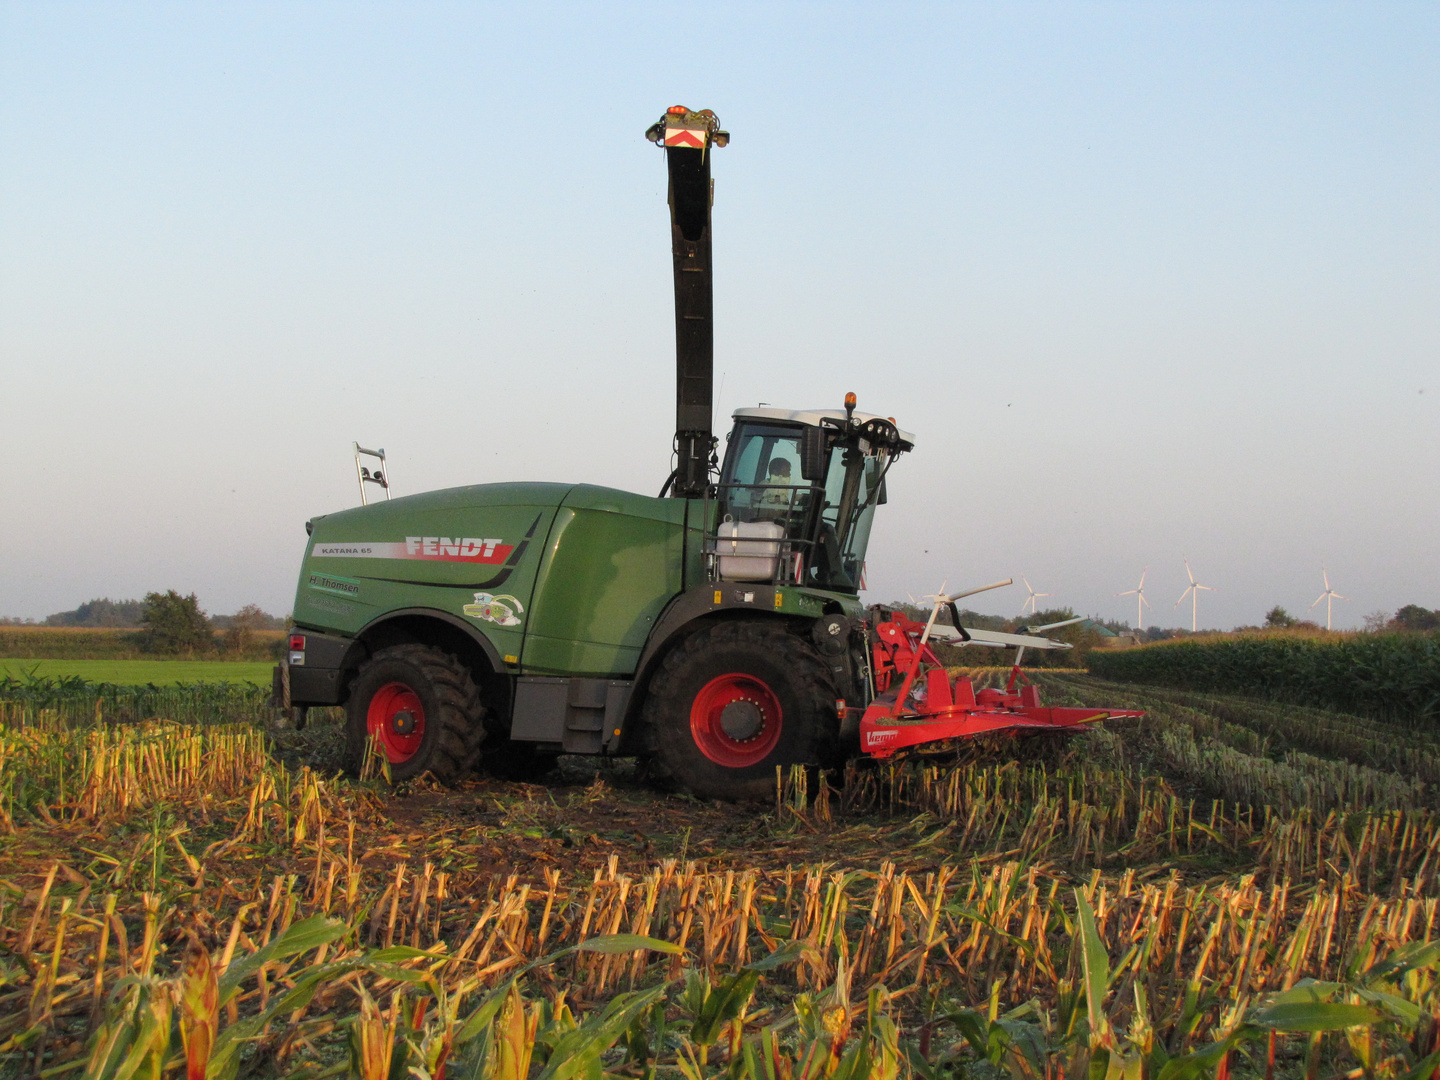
(732, 702)
(421, 707)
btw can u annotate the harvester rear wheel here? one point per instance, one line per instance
(732, 702)
(422, 708)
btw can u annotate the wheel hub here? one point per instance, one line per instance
(742, 719)
(736, 720)
(396, 720)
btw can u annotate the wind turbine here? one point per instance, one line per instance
(1030, 600)
(1140, 602)
(1329, 596)
(1194, 593)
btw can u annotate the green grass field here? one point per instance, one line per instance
(140, 672)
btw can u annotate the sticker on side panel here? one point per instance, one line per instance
(464, 549)
(332, 584)
(502, 610)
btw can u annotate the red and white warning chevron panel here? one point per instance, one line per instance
(686, 136)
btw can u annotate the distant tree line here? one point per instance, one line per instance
(130, 615)
(1415, 617)
(167, 623)
(106, 613)
(1410, 618)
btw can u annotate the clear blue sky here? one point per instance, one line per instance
(1147, 280)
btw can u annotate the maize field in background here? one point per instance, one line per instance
(106, 643)
(77, 701)
(1222, 888)
(1389, 676)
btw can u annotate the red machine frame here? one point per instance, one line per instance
(911, 708)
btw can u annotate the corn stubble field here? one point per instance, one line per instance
(1224, 887)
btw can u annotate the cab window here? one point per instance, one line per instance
(826, 521)
(762, 479)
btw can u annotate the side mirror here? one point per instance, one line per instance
(814, 450)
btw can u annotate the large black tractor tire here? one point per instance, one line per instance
(424, 710)
(732, 702)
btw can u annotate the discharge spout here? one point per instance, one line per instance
(688, 138)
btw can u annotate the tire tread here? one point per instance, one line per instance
(461, 715)
(812, 684)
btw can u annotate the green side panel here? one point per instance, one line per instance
(472, 552)
(561, 656)
(811, 603)
(699, 521)
(612, 562)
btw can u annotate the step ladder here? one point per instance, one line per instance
(364, 476)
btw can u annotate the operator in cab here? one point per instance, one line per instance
(776, 494)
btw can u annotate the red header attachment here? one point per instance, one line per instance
(917, 704)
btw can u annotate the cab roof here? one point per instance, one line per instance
(811, 417)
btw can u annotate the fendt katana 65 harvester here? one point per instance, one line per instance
(714, 631)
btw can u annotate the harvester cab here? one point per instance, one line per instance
(797, 495)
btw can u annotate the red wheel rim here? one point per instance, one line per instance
(396, 719)
(736, 720)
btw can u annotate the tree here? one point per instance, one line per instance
(1375, 622)
(918, 612)
(257, 619)
(1415, 617)
(1279, 618)
(101, 612)
(174, 624)
(243, 624)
